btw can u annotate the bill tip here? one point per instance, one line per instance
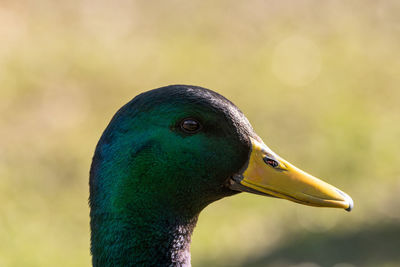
(351, 204)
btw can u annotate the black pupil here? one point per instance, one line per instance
(190, 125)
(271, 162)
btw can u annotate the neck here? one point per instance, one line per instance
(134, 240)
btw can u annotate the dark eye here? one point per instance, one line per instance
(273, 163)
(190, 125)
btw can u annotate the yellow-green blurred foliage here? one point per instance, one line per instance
(319, 80)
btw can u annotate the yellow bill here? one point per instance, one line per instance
(267, 173)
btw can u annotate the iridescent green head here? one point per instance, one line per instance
(176, 146)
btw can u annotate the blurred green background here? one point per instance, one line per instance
(319, 81)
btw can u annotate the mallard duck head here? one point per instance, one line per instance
(171, 151)
(186, 146)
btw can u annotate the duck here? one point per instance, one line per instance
(165, 156)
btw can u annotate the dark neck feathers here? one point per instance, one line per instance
(137, 242)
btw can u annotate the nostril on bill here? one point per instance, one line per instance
(270, 161)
